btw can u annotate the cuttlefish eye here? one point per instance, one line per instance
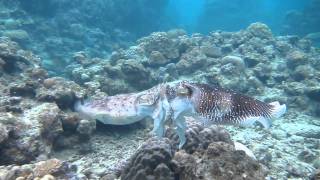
(183, 91)
(146, 100)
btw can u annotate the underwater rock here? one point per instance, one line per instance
(304, 130)
(151, 161)
(156, 58)
(208, 154)
(235, 60)
(136, 74)
(307, 155)
(70, 121)
(16, 35)
(314, 93)
(61, 91)
(46, 170)
(37, 129)
(211, 51)
(81, 58)
(199, 137)
(294, 172)
(260, 30)
(282, 46)
(296, 58)
(175, 33)
(161, 42)
(303, 72)
(24, 89)
(191, 61)
(218, 161)
(14, 59)
(252, 59)
(113, 87)
(86, 127)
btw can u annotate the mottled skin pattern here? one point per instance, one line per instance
(129, 108)
(210, 105)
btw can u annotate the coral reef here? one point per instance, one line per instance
(151, 161)
(37, 121)
(251, 61)
(70, 30)
(31, 103)
(43, 170)
(210, 154)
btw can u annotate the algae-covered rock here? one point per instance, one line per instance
(16, 35)
(151, 161)
(260, 30)
(296, 58)
(136, 74)
(61, 91)
(156, 58)
(208, 154)
(44, 170)
(219, 161)
(160, 41)
(304, 130)
(238, 62)
(14, 59)
(211, 51)
(191, 62)
(34, 134)
(86, 127)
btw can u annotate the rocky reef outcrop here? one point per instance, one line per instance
(252, 61)
(31, 104)
(43, 170)
(70, 30)
(208, 154)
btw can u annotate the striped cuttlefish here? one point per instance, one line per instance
(208, 104)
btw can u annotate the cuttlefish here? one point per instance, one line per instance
(129, 108)
(208, 104)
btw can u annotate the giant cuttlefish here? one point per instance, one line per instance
(209, 104)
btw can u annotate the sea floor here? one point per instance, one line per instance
(107, 150)
(289, 149)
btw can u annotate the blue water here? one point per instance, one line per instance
(204, 16)
(186, 13)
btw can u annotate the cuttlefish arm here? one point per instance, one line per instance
(161, 113)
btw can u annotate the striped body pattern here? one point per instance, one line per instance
(222, 106)
(216, 105)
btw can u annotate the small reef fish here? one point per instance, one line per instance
(209, 104)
